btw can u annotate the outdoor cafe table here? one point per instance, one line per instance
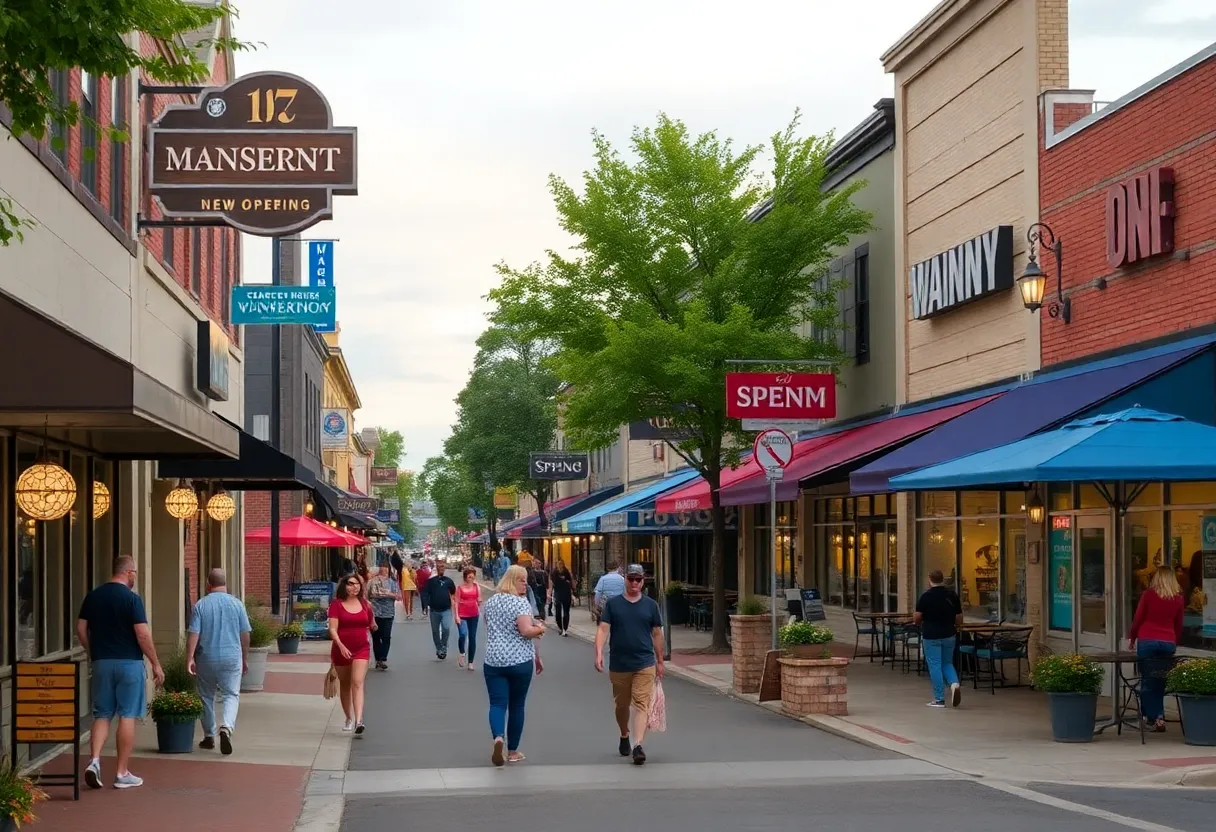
(884, 623)
(1120, 702)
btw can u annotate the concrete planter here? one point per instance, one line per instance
(255, 679)
(751, 637)
(814, 686)
(1198, 719)
(1073, 716)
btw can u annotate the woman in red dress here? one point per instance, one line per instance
(350, 620)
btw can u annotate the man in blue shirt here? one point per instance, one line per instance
(608, 586)
(217, 651)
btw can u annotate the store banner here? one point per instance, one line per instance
(505, 498)
(321, 275)
(384, 476)
(1059, 573)
(310, 607)
(1206, 599)
(388, 515)
(335, 427)
(662, 522)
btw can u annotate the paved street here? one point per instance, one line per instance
(723, 764)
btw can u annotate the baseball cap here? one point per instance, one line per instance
(635, 569)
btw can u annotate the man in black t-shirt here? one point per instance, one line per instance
(939, 614)
(437, 595)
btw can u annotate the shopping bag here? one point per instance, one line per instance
(331, 683)
(657, 720)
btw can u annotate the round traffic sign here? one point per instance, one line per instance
(774, 449)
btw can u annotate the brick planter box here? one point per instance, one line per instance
(751, 637)
(814, 686)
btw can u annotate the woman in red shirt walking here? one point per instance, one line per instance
(350, 621)
(1154, 633)
(468, 608)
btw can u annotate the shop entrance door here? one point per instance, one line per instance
(1094, 570)
(875, 567)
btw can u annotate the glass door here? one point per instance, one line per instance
(1092, 587)
(863, 552)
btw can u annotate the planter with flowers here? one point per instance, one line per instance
(1072, 683)
(289, 636)
(751, 636)
(262, 632)
(1194, 683)
(175, 712)
(812, 680)
(18, 797)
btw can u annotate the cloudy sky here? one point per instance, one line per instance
(465, 106)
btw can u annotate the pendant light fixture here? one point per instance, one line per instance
(181, 502)
(101, 499)
(221, 506)
(45, 490)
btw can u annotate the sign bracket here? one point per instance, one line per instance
(142, 223)
(155, 89)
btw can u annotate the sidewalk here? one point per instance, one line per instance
(283, 734)
(1006, 736)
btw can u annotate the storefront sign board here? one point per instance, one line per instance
(45, 709)
(558, 465)
(335, 427)
(971, 270)
(310, 607)
(321, 274)
(265, 304)
(359, 505)
(261, 155)
(505, 498)
(383, 475)
(781, 396)
(1140, 217)
(1208, 537)
(1059, 573)
(388, 515)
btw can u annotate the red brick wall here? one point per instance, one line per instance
(1173, 126)
(1067, 114)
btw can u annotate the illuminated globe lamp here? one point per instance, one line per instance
(101, 499)
(221, 507)
(182, 502)
(45, 490)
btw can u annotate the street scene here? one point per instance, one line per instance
(597, 415)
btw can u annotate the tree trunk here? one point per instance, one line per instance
(718, 558)
(492, 527)
(542, 496)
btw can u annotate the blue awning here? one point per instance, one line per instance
(1133, 445)
(1033, 406)
(587, 522)
(585, 503)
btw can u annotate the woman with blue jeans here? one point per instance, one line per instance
(939, 614)
(511, 656)
(1154, 634)
(468, 608)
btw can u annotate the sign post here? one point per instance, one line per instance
(773, 451)
(46, 709)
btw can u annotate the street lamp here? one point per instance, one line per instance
(1033, 283)
(1034, 510)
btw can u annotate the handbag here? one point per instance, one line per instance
(657, 718)
(331, 683)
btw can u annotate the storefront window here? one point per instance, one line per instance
(103, 527)
(762, 546)
(82, 516)
(882, 506)
(864, 507)
(980, 503)
(936, 550)
(1150, 496)
(980, 586)
(938, 504)
(836, 510)
(1186, 542)
(1013, 585)
(1193, 493)
(1014, 503)
(834, 536)
(1090, 497)
(1059, 497)
(57, 581)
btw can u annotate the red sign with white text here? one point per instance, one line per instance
(780, 396)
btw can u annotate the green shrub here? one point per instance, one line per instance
(751, 606)
(674, 588)
(1067, 674)
(261, 631)
(177, 675)
(804, 632)
(175, 706)
(1196, 677)
(290, 630)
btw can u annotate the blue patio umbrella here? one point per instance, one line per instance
(1135, 445)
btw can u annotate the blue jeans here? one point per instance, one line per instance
(1154, 662)
(939, 656)
(222, 677)
(468, 637)
(118, 689)
(508, 690)
(441, 630)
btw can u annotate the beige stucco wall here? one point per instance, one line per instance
(967, 161)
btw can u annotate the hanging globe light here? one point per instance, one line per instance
(221, 506)
(45, 490)
(182, 502)
(101, 499)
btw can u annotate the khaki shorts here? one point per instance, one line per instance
(635, 687)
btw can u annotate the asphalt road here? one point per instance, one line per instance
(721, 765)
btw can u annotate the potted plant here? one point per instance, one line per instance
(812, 680)
(804, 640)
(175, 712)
(288, 637)
(1072, 683)
(262, 631)
(751, 637)
(1194, 683)
(677, 604)
(18, 796)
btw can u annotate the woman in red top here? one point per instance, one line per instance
(1154, 633)
(350, 620)
(468, 610)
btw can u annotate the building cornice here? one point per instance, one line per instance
(920, 34)
(342, 374)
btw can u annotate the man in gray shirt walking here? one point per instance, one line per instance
(217, 650)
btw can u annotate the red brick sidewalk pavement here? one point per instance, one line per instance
(181, 795)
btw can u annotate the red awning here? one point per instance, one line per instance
(532, 522)
(304, 531)
(746, 485)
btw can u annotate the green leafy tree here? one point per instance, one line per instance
(448, 484)
(392, 447)
(407, 484)
(38, 36)
(689, 257)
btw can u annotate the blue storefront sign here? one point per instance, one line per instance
(1059, 573)
(265, 304)
(321, 273)
(310, 607)
(388, 515)
(662, 522)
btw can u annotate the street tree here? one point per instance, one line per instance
(689, 255)
(407, 484)
(38, 36)
(392, 447)
(446, 481)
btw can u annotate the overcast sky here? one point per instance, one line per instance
(465, 106)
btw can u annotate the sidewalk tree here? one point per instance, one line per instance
(447, 483)
(38, 37)
(407, 483)
(688, 256)
(392, 447)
